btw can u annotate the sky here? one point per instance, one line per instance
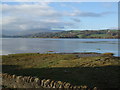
(44, 16)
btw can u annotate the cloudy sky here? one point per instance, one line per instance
(44, 16)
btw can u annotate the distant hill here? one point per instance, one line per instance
(25, 32)
(74, 34)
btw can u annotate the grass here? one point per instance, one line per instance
(35, 60)
(100, 71)
(100, 35)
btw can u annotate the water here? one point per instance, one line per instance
(43, 45)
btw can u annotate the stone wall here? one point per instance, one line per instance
(13, 81)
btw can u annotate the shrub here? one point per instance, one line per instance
(108, 54)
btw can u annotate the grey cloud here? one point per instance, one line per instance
(76, 19)
(107, 13)
(90, 14)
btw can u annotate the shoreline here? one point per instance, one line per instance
(79, 54)
(61, 38)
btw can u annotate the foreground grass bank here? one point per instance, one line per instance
(100, 71)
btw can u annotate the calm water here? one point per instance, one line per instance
(40, 45)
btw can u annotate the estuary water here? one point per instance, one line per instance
(44, 45)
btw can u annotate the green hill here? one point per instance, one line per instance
(74, 34)
(78, 34)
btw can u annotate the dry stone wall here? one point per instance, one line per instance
(13, 81)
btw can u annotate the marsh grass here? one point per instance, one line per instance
(100, 71)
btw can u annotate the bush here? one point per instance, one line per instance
(108, 54)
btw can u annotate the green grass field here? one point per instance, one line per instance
(99, 35)
(99, 71)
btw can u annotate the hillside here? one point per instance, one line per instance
(74, 34)
(78, 34)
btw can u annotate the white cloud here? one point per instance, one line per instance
(28, 9)
(35, 16)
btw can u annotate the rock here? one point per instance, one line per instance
(29, 79)
(51, 83)
(47, 83)
(25, 79)
(67, 85)
(60, 84)
(75, 87)
(57, 84)
(34, 82)
(95, 88)
(42, 82)
(54, 84)
(9, 76)
(32, 79)
(18, 78)
(13, 76)
(36, 79)
(71, 87)
(78, 87)
(84, 87)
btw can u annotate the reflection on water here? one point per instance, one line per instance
(40, 45)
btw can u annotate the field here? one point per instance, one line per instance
(100, 71)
